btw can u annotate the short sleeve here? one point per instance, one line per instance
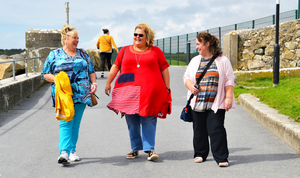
(118, 60)
(48, 64)
(163, 63)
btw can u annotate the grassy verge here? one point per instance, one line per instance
(284, 97)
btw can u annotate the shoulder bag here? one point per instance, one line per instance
(186, 111)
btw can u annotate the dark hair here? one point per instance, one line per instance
(105, 31)
(214, 47)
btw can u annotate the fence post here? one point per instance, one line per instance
(170, 52)
(163, 45)
(14, 70)
(188, 52)
(178, 50)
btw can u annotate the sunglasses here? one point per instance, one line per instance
(136, 34)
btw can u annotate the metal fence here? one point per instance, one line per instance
(26, 66)
(175, 47)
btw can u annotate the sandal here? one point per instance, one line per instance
(132, 154)
(223, 164)
(152, 156)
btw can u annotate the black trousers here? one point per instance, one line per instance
(105, 57)
(209, 124)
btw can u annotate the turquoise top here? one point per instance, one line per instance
(78, 69)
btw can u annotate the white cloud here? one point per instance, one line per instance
(168, 18)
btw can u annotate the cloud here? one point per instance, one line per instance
(167, 18)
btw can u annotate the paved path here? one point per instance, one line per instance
(29, 137)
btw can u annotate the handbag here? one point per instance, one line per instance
(94, 100)
(186, 113)
(112, 49)
(94, 96)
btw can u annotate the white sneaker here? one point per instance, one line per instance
(63, 158)
(74, 157)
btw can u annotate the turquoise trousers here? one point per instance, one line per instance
(69, 131)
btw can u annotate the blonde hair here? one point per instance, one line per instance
(66, 31)
(150, 34)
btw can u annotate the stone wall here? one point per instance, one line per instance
(256, 47)
(40, 43)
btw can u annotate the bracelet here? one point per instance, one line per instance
(168, 88)
(94, 83)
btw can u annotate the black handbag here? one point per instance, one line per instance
(186, 113)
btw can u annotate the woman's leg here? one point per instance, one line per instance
(134, 128)
(217, 134)
(79, 109)
(108, 60)
(148, 132)
(65, 136)
(103, 59)
(200, 140)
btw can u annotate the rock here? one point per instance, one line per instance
(95, 57)
(293, 64)
(255, 64)
(259, 51)
(6, 69)
(269, 51)
(288, 55)
(257, 57)
(291, 45)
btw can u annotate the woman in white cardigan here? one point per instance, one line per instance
(212, 99)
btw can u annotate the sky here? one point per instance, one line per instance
(167, 17)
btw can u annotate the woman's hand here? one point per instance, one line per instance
(93, 88)
(107, 89)
(228, 104)
(191, 86)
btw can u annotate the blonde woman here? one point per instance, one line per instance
(81, 73)
(142, 90)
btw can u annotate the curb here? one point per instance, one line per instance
(280, 125)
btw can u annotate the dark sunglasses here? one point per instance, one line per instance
(136, 34)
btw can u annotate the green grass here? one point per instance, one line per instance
(284, 97)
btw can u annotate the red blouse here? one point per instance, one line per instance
(141, 90)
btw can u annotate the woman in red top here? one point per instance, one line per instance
(141, 91)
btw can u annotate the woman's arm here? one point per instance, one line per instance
(111, 76)
(49, 77)
(228, 97)
(166, 77)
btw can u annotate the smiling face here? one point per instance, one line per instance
(202, 48)
(138, 41)
(72, 41)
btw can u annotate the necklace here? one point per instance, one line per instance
(138, 61)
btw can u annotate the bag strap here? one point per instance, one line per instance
(106, 40)
(202, 75)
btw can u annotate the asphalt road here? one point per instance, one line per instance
(29, 138)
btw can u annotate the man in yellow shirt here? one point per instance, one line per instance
(104, 44)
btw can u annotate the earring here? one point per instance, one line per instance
(66, 43)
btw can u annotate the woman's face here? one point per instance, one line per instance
(72, 41)
(202, 48)
(138, 40)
